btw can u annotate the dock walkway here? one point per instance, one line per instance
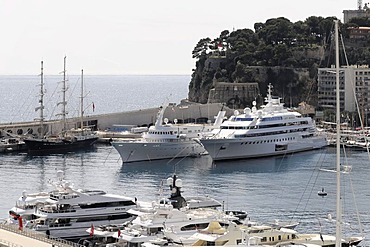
(11, 236)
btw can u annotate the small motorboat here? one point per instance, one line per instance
(322, 192)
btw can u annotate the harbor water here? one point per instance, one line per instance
(284, 187)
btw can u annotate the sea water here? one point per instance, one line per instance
(20, 95)
(284, 187)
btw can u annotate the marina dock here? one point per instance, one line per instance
(11, 236)
(144, 117)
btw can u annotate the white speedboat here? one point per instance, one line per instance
(166, 141)
(271, 130)
(70, 212)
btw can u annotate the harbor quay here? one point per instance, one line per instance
(183, 113)
(12, 236)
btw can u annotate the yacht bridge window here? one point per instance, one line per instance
(243, 119)
(271, 118)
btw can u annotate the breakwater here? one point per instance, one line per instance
(199, 113)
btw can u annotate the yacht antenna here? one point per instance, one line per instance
(269, 92)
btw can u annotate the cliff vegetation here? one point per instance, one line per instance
(279, 52)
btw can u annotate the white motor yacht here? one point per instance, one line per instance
(270, 130)
(166, 141)
(70, 212)
(27, 203)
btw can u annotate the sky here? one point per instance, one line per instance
(131, 37)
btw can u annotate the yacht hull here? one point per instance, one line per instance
(44, 146)
(243, 148)
(134, 151)
(77, 230)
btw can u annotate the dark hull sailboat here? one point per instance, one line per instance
(48, 146)
(68, 140)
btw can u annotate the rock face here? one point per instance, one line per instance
(208, 85)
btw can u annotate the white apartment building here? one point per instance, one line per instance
(354, 84)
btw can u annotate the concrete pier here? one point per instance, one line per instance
(11, 236)
(184, 113)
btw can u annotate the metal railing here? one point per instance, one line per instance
(36, 235)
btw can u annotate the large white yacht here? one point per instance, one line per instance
(270, 130)
(69, 212)
(166, 141)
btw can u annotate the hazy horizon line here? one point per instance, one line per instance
(97, 74)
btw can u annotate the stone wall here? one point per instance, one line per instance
(235, 95)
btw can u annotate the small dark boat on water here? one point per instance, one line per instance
(322, 192)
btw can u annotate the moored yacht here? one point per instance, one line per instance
(270, 130)
(166, 141)
(70, 212)
(184, 215)
(27, 203)
(67, 140)
(262, 235)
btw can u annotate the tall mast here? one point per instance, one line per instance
(338, 197)
(82, 98)
(64, 102)
(64, 95)
(41, 101)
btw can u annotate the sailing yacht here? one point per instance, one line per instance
(68, 140)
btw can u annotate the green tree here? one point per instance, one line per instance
(201, 48)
